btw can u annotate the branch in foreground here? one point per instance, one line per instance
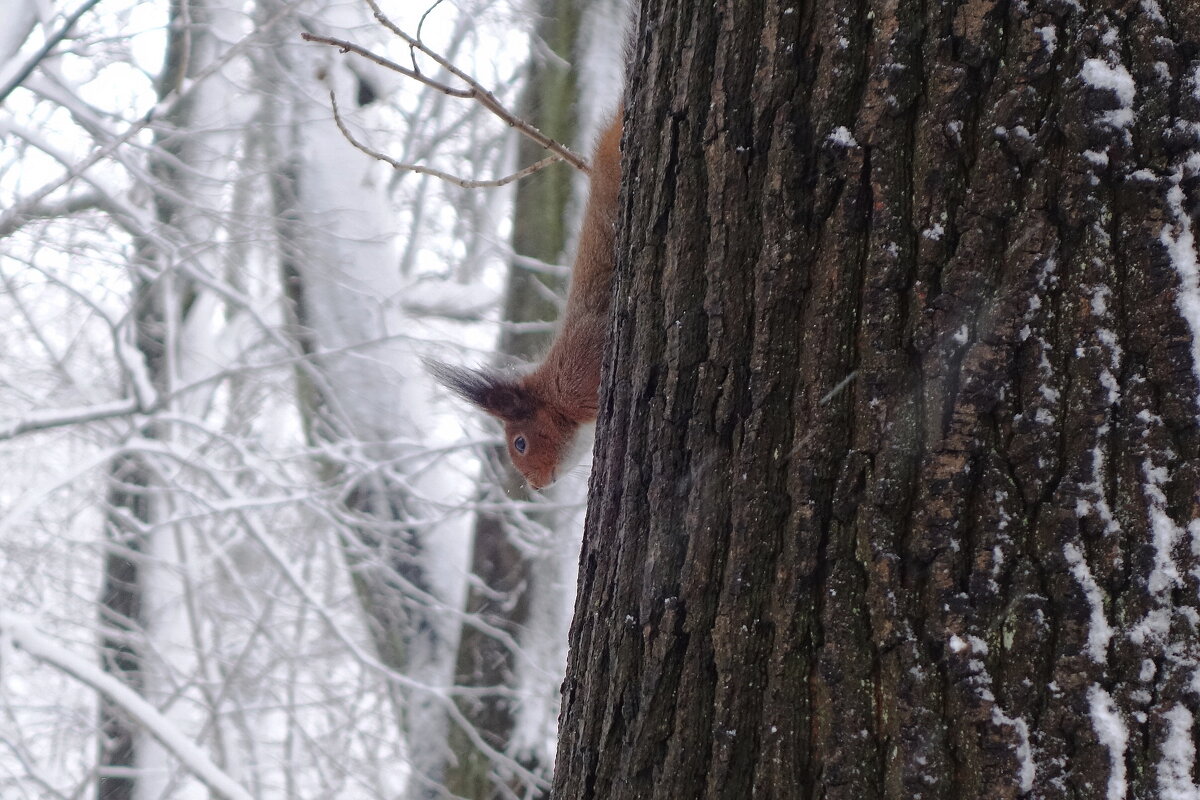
(44, 421)
(43, 51)
(437, 173)
(475, 90)
(24, 636)
(48, 210)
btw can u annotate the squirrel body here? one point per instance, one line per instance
(544, 410)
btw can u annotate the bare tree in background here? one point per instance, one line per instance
(363, 414)
(187, 176)
(254, 457)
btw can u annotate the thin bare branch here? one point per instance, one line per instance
(49, 210)
(428, 11)
(158, 111)
(464, 182)
(351, 47)
(59, 418)
(476, 90)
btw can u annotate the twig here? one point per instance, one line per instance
(159, 110)
(481, 94)
(49, 210)
(68, 416)
(475, 90)
(428, 11)
(464, 182)
(351, 47)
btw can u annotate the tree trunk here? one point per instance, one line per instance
(361, 389)
(897, 479)
(123, 767)
(120, 611)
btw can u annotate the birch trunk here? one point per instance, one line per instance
(363, 389)
(143, 595)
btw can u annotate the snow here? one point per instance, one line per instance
(1152, 628)
(1164, 533)
(842, 137)
(954, 128)
(1180, 242)
(1108, 340)
(1100, 75)
(1111, 732)
(26, 637)
(981, 681)
(1049, 36)
(1099, 631)
(1152, 10)
(1096, 485)
(1179, 757)
(1024, 751)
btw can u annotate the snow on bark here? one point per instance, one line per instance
(1178, 238)
(1163, 530)
(1100, 75)
(1179, 757)
(842, 137)
(1024, 750)
(25, 636)
(1111, 732)
(1099, 631)
(972, 649)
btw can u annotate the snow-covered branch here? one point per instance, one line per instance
(25, 636)
(51, 42)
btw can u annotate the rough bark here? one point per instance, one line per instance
(972, 571)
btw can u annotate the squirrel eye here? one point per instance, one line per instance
(519, 444)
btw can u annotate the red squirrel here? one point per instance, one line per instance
(544, 410)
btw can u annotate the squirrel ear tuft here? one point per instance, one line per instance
(499, 396)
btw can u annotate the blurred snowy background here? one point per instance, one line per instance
(247, 548)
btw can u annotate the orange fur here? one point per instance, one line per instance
(546, 408)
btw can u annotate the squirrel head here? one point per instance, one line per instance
(538, 434)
